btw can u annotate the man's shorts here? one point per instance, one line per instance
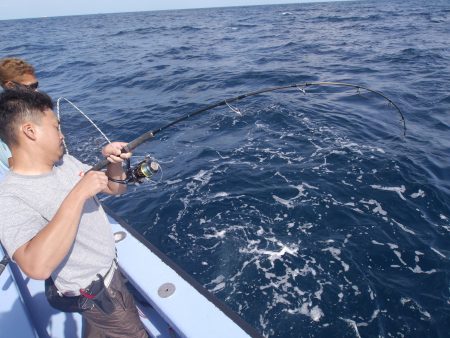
(124, 322)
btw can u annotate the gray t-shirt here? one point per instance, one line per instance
(28, 203)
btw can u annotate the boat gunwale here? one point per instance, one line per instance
(250, 330)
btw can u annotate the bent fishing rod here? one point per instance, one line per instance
(141, 171)
(151, 134)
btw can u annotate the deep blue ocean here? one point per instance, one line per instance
(308, 214)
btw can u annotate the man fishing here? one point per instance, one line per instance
(53, 226)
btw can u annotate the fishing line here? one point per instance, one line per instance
(302, 90)
(234, 109)
(139, 173)
(85, 115)
(300, 86)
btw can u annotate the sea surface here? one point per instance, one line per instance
(309, 214)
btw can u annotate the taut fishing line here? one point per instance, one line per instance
(85, 115)
(300, 86)
(139, 173)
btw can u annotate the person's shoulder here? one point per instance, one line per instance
(7, 189)
(7, 183)
(65, 160)
(5, 178)
(71, 163)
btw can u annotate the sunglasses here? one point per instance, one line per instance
(32, 86)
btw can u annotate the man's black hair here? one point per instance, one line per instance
(17, 106)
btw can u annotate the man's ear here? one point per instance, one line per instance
(29, 130)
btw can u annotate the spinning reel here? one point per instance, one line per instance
(141, 172)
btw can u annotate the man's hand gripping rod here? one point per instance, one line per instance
(128, 148)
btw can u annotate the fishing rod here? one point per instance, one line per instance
(146, 166)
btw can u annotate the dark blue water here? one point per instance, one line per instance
(310, 215)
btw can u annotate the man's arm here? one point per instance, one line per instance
(113, 153)
(40, 256)
(115, 171)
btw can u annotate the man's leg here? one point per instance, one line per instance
(124, 322)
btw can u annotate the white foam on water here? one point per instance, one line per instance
(417, 259)
(359, 211)
(353, 325)
(221, 194)
(202, 176)
(335, 252)
(318, 293)
(378, 209)
(345, 183)
(446, 227)
(404, 228)
(217, 234)
(287, 203)
(399, 256)
(219, 280)
(392, 246)
(315, 313)
(371, 294)
(338, 152)
(301, 193)
(309, 186)
(282, 176)
(173, 182)
(375, 314)
(418, 269)
(415, 306)
(399, 190)
(218, 287)
(278, 280)
(272, 255)
(347, 237)
(357, 292)
(443, 217)
(438, 252)
(420, 193)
